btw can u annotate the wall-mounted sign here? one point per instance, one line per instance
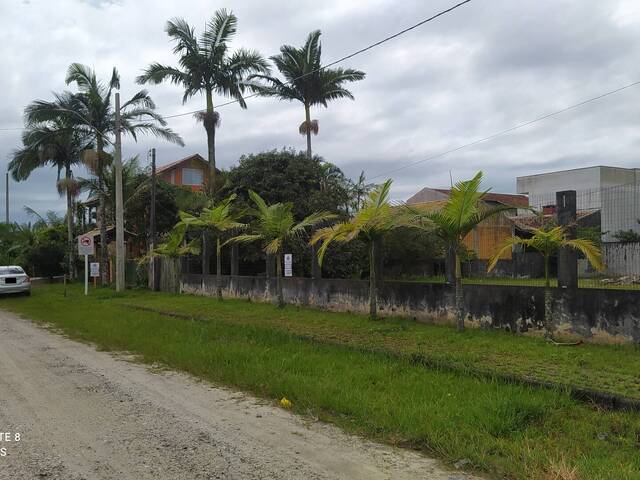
(288, 265)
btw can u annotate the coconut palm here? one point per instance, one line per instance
(91, 111)
(207, 66)
(219, 220)
(548, 240)
(307, 81)
(457, 217)
(372, 222)
(275, 225)
(58, 144)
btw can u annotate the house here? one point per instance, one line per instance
(191, 171)
(485, 239)
(613, 191)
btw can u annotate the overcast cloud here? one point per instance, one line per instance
(483, 68)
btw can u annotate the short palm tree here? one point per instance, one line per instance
(275, 225)
(207, 66)
(306, 81)
(91, 112)
(457, 217)
(548, 240)
(359, 190)
(58, 144)
(219, 219)
(372, 222)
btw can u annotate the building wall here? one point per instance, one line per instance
(174, 175)
(542, 188)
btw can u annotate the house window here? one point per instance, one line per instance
(191, 176)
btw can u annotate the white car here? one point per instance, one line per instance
(13, 279)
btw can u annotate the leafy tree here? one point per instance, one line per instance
(56, 143)
(460, 214)
(372, 222)
(274, 225)
(217, 219)
(137, 215)
(207, 66)
(548, 240)
(91, 112)
(307, 81)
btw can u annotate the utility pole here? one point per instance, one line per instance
(7, 198)
(120, 252)
(153, 265)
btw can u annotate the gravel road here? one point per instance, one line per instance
(84, 414)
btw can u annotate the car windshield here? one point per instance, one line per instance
(10, 270)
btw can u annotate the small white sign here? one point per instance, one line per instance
(288, 265)
(86, 245)
(95, 269)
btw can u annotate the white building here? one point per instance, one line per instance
(614, 191)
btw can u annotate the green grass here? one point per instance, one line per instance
(509, 431)
(611, 369)
(523, 282)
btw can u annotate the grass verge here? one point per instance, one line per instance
(507, 430)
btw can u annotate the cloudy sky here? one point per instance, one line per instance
(485, 67)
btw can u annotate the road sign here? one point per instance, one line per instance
(95, 269)
(86, 245)
(288, 265)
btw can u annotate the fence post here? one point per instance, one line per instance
(316, 269)
(235, 259)
(567, 257)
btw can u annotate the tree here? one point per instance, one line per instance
(360, 190)
(207, 66)
(58, 144)
(91, 112)
(218, 219)
(548, 240)
(274, 226)
(306, 81)
(372, 222)
(458, 216)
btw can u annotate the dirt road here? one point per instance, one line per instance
(83, 414)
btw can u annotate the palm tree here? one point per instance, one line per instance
(548, 240)
(307, 81)
(274, 226)
(458, 216)
(58, 144)
(360, 190)
(92, 113)
(372, 222)
(207, 66)
(219, 219)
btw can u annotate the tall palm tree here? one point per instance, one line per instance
(58, 144)
(306, 81)
(207, 66)
(372, 222)
(219, 220)
(275, 225)
(92, 112)
(460, 214)
(548, 240)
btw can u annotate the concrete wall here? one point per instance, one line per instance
(595, 314)
(621, 258)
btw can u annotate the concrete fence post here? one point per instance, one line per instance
(567, 257)
(235, 259)
(316, 269)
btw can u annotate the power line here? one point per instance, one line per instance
(340, 60)
(508, 130)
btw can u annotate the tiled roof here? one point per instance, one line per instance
(503, 198)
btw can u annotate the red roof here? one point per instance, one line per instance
(503, 198)
(177, 163)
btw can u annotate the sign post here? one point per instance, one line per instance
(288, 265)
(86, 247)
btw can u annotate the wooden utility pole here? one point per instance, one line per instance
(120, 251)
(7, 198)
(153, 264)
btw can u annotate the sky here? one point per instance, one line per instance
(483, 68)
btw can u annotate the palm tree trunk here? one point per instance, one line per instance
(218, 269)
(210, 127)
(70, 245)
(104, 252)
(547, 300)
(279, 280)
(373, 281)
(204, 254)
(459, 292)
(307, 114)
